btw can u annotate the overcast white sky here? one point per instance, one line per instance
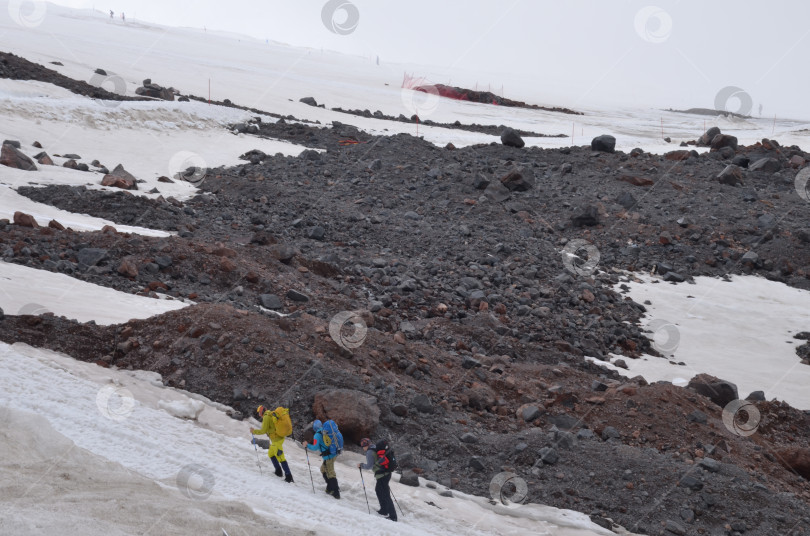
(583, 52)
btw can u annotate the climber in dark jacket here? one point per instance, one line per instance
(383, 472)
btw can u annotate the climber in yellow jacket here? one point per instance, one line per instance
(277, 425)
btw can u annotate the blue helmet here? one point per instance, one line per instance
(317, 425)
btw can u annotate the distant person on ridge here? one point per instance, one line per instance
(112, 14)
(123, 16)
(277, 425)
(328, 466)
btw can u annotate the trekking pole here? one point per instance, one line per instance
(253, 440)
(306, 450)
(363, 480)
(396, 501)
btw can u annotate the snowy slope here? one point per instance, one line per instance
(26, 290)
(119, 416)
(273, 77)
(741, 331)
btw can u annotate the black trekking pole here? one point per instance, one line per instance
(253, 440)
(396, 501)
(306, 450)
(364, 489)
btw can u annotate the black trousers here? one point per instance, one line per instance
(383, 491)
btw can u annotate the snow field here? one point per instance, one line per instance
(117, 416)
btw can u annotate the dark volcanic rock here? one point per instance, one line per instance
(511, 138)
(604, 143)
(515, 181)
(768, 165)
(721, 392)
(14, 158)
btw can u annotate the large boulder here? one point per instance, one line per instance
(706, 139)
(604, 143)
(14, 158)
(356, 413)
(795, 459)
(724, 140)
(732, 175)
(768, 165)
(120, 178)
(511, 138)
(25, 220)
(721, 392)
(155, 91)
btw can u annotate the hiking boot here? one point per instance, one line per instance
(333, 488)
(279, 473)
(380, 511)
(288, 478)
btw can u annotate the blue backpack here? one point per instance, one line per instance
(332, 438)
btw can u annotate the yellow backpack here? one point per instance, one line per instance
(283, 422)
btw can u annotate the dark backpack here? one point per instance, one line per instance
(332, 438)
(388, 453)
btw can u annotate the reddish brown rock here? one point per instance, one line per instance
(44, 159)
(53, 224)
(677, 156)
(796, 459)
(120, 178)
(14, 158)
(636, 181)
(25, 220)
(356, 413)
(797, 161)
(118, 182)
(227, 265)
(224, 252)
(128, 269)
(515, 182)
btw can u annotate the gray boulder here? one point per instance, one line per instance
(604, 143)
(511, 138)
